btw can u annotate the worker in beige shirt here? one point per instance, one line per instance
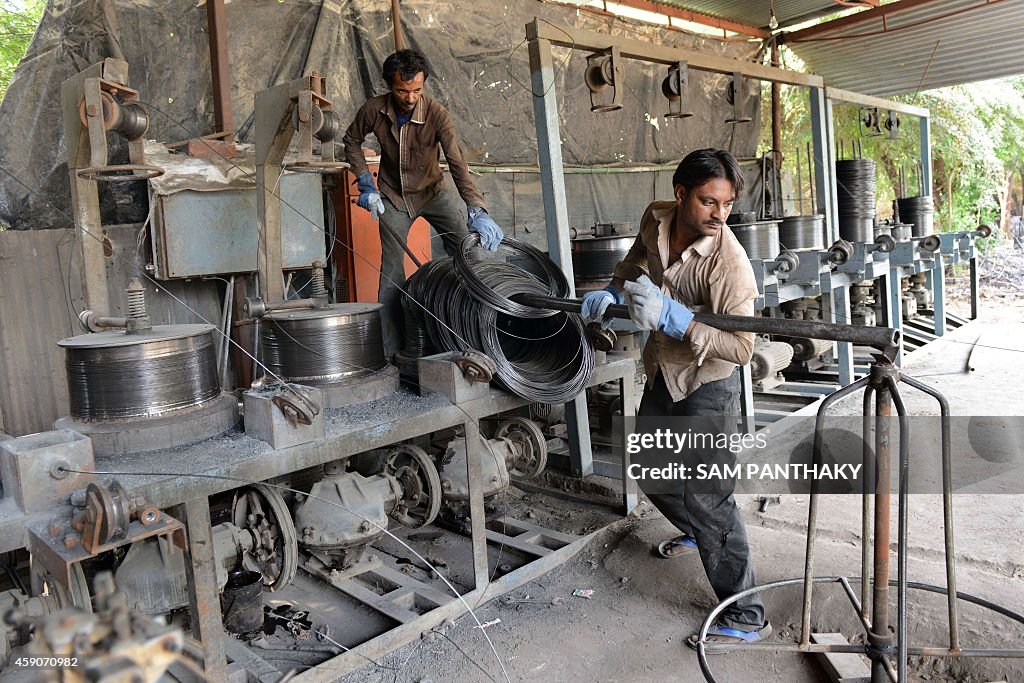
(686, 259)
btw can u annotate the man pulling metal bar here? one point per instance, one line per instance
(411, 127)
(685, 259)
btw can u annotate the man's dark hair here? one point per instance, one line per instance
(702, 165)
(406, 63)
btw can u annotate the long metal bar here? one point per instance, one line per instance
(823, 161)
(556, 215)
(839, 95)
(591, 41)
(867, 505)
(879, 637)
(878, 337)
(476, 504)
(975, 287)
(200, 571)
(938, 283)
(841, 314)
(220, 66)
(947, 507)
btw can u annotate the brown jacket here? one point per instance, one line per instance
(410, 174)
(712, 275)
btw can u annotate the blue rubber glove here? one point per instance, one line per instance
(490, 233)
(369, 197)
(651, 309)
(596, 303)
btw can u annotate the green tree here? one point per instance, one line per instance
(18, 22)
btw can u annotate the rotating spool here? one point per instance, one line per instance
(594, 259)
(760, 240)
(855, 192)
(919, 213)
(802, 232)
(333, 345)
(145, 391)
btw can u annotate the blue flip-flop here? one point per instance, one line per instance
(677, 547)
(719, 635)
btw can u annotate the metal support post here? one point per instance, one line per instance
(477, 522)
(937, 276)
(200, 572)
(824, 155)
(975, 287)
(549, 149)
(841, 313)
(926, 154)
(895, 310)
(747, 400)
(880, 638)
(630, 490)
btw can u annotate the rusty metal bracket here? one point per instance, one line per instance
(296, 406)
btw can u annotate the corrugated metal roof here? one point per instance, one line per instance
(757, 12)
(972, 40)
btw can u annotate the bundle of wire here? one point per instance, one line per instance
(541, 355)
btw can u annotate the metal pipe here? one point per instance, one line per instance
(866, 506)
(859, 607)
(878, 337)
(396, 22)
(228, 306)
(879, 637)
(902, 529)
(812, 507)
(220, 66)
(947, 507)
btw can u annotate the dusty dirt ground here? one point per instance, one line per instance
(633, 626)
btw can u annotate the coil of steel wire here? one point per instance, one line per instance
(759, 240)
(802, 232)
(323, 346)
(117, 376)
(918, 212)
(855, 192)
(546, 358)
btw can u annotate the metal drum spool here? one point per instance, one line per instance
(802, 232)
(855, 194)
(759, 240)
(769, 358)
(134, 393)
(902, 232)
(917, 211)
(337, 344)
(118, 376)
(594, 259)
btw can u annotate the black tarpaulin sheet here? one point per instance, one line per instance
(476, 49)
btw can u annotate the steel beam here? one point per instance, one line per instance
(824, 157)
(220, 66)
(549, 150)
(590, 41)
(840, 95)
(201, 574)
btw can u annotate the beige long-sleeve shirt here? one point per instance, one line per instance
(713, 275)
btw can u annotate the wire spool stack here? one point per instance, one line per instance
(918, 212)
(855, 189)
(145, 391)
(802, 232)
(760, 240)
(543, 356)
(337, 349)
(594, 260)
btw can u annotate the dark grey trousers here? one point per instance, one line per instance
(446, 214)
(711, 518)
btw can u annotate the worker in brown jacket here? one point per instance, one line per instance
(686, 259)
(411, 128)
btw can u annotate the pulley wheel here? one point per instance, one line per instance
(421, 485)
(260, 510)
(534, 447)
(78, 597)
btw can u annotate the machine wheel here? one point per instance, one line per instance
(262, 511)
(527, 435)
(421, 485)
(79, 595)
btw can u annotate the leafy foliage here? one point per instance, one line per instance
(18, 22)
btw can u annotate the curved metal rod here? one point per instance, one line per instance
(812, 506)
(947, 505)
(903, 524)
(859, 649)
(865, 622)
